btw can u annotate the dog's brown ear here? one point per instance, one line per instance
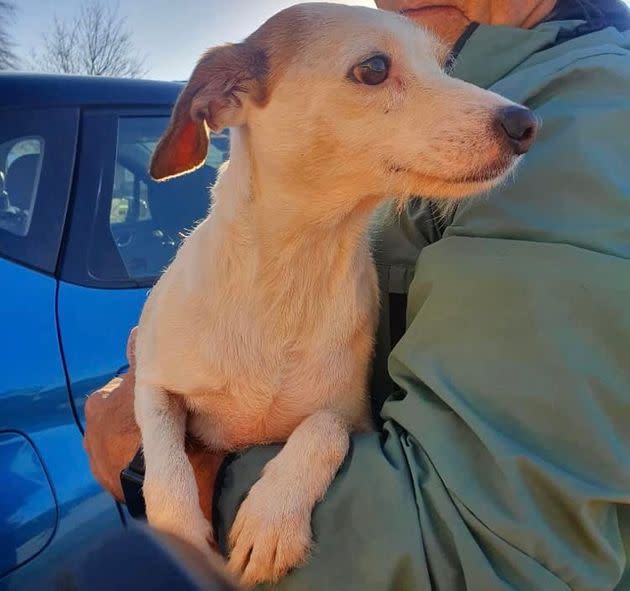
(224, 79)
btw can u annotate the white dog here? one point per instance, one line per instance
(262, 328)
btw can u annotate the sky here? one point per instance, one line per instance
(170, 33)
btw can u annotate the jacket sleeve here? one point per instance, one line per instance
(504, 458)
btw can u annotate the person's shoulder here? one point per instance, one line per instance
(607, 49)
(591, 68)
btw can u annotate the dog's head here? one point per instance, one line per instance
(346, 100)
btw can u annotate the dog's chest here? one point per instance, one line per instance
(253, 363)
(248, 412)
(231, 423)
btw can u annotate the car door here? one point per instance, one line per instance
(125, 229)
(49, 502)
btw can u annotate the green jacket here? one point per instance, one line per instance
(503, 460)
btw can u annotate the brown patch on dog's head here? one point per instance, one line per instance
(223, 81)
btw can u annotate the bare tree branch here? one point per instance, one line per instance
(8, 58)
(96, 42)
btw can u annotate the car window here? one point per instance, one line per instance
(147, 219)
(37, 155)
(20, 169)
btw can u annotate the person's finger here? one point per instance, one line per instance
(131, 348)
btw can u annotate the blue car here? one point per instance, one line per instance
(84, 234)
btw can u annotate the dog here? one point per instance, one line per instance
(262, 328)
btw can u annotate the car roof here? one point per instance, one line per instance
(57, 90)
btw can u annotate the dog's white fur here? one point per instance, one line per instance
(261, 330)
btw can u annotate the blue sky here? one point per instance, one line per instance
(171, 33)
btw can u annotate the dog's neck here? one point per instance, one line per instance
(278, 221)
(297, 274)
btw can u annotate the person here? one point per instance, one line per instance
(502, 454)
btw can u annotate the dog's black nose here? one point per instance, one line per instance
(520, 125)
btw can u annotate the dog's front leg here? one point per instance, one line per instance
(170, 489)
(272, 530)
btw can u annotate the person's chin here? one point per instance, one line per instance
(447, 22)
(430, 13)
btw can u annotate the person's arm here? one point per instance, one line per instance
(504, 460)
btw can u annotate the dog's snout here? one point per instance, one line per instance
(520, 126)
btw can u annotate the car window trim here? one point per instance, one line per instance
(94, 182)
(40, 249)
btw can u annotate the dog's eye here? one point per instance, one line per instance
(372, 71)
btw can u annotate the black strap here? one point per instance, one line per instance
(397, 317)
(131, 480)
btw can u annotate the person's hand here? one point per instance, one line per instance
(112, 437)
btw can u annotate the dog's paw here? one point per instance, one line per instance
(185, 522)
(270, 535)
(199, 536)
